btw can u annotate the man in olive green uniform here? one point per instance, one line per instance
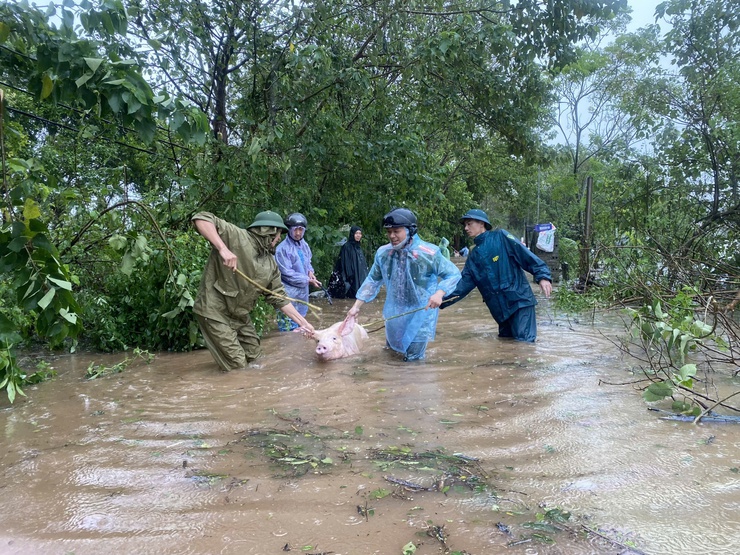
(225, 298)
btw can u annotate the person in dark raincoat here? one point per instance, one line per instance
(351, 266)
(496, 267)
(225, 298)
(293, 257)
(416, 277)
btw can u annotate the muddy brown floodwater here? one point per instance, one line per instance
(294, 455)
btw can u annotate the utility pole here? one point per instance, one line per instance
(539, 182)
(586, 247)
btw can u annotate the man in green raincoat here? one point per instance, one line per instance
(225, 298)
(443, 244)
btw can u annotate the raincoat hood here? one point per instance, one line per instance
(292, 230)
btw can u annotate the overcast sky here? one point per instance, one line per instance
(643, 13)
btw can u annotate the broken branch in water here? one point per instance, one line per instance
(610, 540)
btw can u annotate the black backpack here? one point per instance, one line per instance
(337, 287)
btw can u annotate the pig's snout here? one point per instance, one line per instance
(329, 347)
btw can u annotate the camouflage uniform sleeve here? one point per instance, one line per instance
(227, 231)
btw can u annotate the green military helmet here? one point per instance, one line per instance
(477, 214)
(268, 218)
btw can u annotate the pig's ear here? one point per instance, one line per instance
(347, 326)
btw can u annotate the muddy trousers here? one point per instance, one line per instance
(522, 325)
(232, 345)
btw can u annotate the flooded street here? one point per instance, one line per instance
(295, 455)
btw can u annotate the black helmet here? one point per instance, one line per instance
(296, 220)
(400, 217)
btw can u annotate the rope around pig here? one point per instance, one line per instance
(313, 308)
(384, 320)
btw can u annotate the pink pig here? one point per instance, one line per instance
(335, 343)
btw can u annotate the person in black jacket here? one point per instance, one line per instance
(351, 266)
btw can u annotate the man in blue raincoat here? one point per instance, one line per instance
(496, 267)
(293, 257)
(416, 277)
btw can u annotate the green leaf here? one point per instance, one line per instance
(172, 313)
(379, 493)
(46, 299)
(93, 63)
(687, 370)
(41, 241)
(4, 31)
(139, 249)
(82, 80)
(71, 317)
(657, 391)
(145, 128)
(47, 85)
(658, 312)
(31, 210)
(11, 392)
(115, 102)
(68, 18)
(702, 327)
(6, 325)
(117, 242)
(254, 147)
(17, 244)
(127, 264)
(8, 333)
(61, 283)
(107, 22)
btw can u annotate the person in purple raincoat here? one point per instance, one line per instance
(293, 257)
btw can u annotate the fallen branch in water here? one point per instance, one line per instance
(709, 409)
(612, 541)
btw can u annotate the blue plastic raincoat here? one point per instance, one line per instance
(294, 260)
(411, 275)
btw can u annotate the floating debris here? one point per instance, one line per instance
(405, 484)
